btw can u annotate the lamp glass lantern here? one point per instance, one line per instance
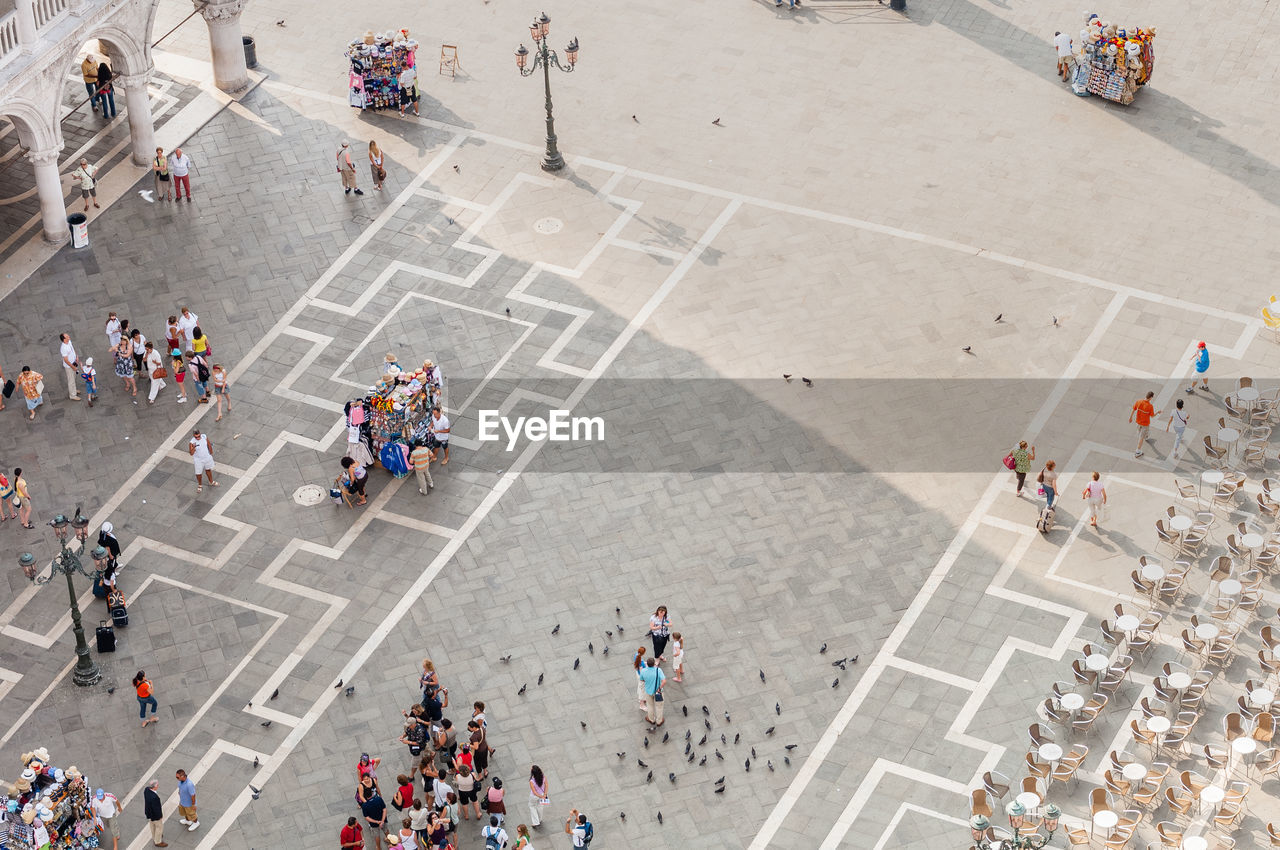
(978, 825)
(28, 563)
(1016, 812)
(544, 25)
(59, 524)
(571, 52)
(1052, 814)
(522, 57)
(81, 526)
(101, 557)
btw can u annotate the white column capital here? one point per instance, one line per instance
(221, 13)
(48, 156)
(135, 82)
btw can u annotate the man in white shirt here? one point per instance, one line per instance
(180, 168)
(494, 834)
(106, 807)
(347, 170)
(186, 322)
(440, 427)
(201, 451)
(1062, 42)
(70, 365)
(84, 176)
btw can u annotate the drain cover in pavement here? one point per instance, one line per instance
(548, 225)
(309, 494)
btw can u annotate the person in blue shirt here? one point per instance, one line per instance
(652, 677)
(1201, 359)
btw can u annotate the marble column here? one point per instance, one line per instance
(137, 108)
(229, 70)
(53, 207)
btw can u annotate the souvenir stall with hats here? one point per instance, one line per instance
(377, 62)
(394, 414)
(47, 807)
(1112, 61)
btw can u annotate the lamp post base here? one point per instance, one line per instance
(86, 676)
(552, 162)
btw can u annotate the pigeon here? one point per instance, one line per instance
(605, 651)
(146, 195)
(576, 662)
(724, 740)
(451, 223)
(582, 723)
(719, 790)
(688, 748)
(622, 815)
(619, 628)
(111, 690)
(457, 169)
(790, 747)
(808, 383)
(691, 758)
(702, 762)
(716, 122)
(736, 738)
(688, 734)
(707, 723)
(646, 742)
(556, 630)
(540, 678)
(853, 660)
(999, 317)
(506, 659)
(787, 760)
(641, 763)
(702, 740)
(250, 705)
(635, 119)
(255, 761)
(275, 693)
(770, 766)
(822, 650)
(1055, 321)
(726, 718)
(719, 756)
(839, 663)
(617, 610)
(608, 633)
(747, 765)
(769, 731)
(649, 778)
(720, 781)
(622, 755)
(968, 349)
(666, 736)
(591, 648)
(706, 711)
(836, 682)
(523, 688)
(761, 675)
(659, 817)
(264, 724)
(256, 792)
(350, 691)
(777, 708)
(335, 687)
(685, 709)
(786, 377)
(279, 23)
(672, 777)
(753, 753)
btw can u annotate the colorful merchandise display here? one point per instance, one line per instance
(1112, 61)
(47, 807)
(395, 413)
(378, 61)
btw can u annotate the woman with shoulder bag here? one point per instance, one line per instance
(160, 177)
(6, 499)
(497, 806)
(403, 798)
(21, 498)
(1048, 479)
(375, 165)
(146, 697)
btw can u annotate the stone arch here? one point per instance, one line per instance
(37, 128)
(127, 55)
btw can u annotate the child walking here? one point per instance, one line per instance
(179, 373)
(90, 377)
(677, 655)
(1201, 359)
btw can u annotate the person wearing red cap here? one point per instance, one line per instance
(1201, 359)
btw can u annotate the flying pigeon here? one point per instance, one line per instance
(146, 195)
(457, 169)
(279, 23)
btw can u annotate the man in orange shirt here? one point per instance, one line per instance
(1143, 410)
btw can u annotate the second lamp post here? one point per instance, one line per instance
(546, 57)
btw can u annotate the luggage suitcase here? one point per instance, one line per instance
(119, 616)
(106, 638)
(1045, 523)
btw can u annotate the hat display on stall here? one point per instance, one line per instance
(28, 813)
(74, 772)
(29, 775)
(390, 358)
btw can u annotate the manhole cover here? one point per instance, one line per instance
(309, 494)
(548, 225)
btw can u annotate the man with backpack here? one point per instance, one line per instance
(201, 367)
(495, 837)
(577, 827)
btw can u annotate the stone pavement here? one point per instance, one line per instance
(662, 268)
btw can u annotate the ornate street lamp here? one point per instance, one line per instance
(65, 563)
(543, 55)
(979, 825)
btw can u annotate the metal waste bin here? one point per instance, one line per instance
(250, 52)
(898, 5)
(79, 224)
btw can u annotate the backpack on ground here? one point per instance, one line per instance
(1045, 523)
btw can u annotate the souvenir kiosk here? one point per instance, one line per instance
(47, 807)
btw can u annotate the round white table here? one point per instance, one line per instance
(1181, 522)
(1106, 819)
(1261, 697)
(1206, 631)
(1195, 842)
(1159, 725)
(1050, 752)
(1252, 540)
(1244, 746)
(1128, 623)
(1230, 587)
(1072, 702)
(1248, 395)
(1153, 572)
(1134, 771)
(1212, 794)
(1212, 477)
(1179, 680)
(1029, 799)
(1097, 662)
(1228, 436)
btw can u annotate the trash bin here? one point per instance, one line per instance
(250, 52)
(895, 5)
(79, 223)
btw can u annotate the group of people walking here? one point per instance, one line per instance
(187, 351)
